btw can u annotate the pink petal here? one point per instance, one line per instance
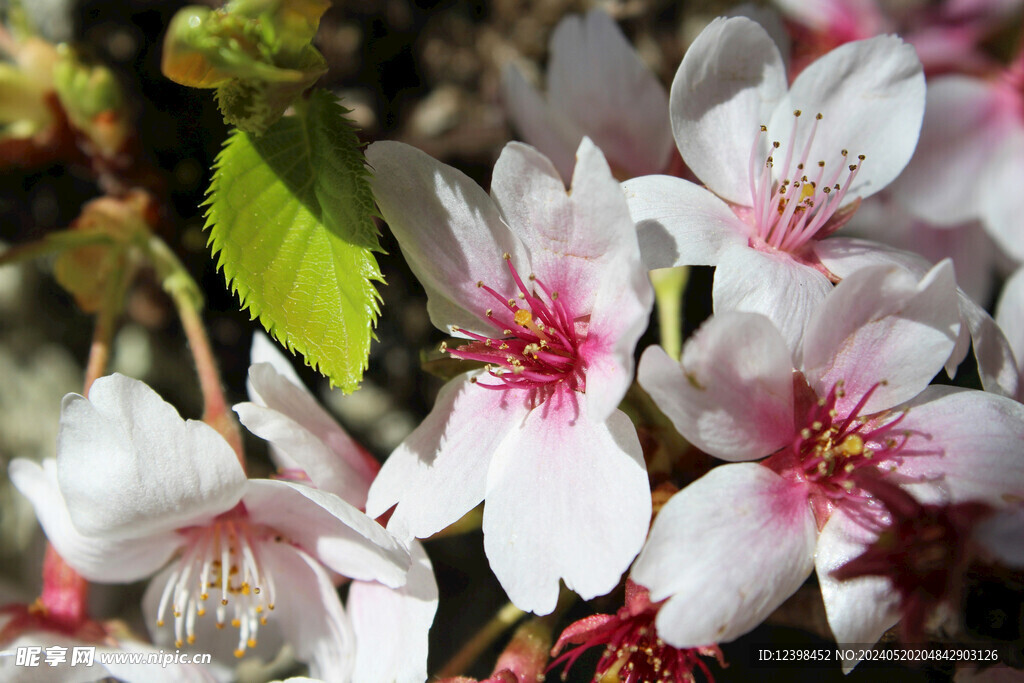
(573, 236)
(439, 472)
(882, 326)
(584, 247)
(727, 85)
(680, 223)
(965, 124)
(969, 444)
(391, 624)
(726, 551)
(567, 498)
(157, 473)
(449, 230)
(732, 394)
(772, 284)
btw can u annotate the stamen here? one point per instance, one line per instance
(538, 350)
(790, 208)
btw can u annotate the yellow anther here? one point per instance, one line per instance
(191, 640)
(239, 654)
(852, 445)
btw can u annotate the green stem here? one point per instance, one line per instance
(505, 619)
(188, 301)
(669, 285)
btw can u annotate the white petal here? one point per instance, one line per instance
(1001, 199)
(1010, 317)
(844, 256)
(997, 367)
(732, 393)
(871, 95)
(325, 526)
(727, 85)
(859, 610)
(554, 133)
(726, 550)
(680, 223)
(439, 472)
(265, 350)
(882, 326)
(391, 624)
(597, 79)
(565, 500)
(964, 126)
(309, 613)
(882, 219)
(449, 230)
(771, 21)
(97, 559)
(129, 466)
(298, 427)
(774, 285)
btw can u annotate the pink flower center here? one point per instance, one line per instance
(831, 449)
(538, 346)
(787, 213)
(634, 652)
(221, 566)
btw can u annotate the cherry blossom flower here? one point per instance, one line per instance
(308, 446)
(923, 550)
(597, 86)
(729, 548)
(632, 648)
(785, 167)
(548, 289)
(135, 488)
(946, 35)
(971, 155)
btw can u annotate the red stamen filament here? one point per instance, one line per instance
(539, 345)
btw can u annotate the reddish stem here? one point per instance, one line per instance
(215, 408)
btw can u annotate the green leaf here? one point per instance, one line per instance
(291, 221)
